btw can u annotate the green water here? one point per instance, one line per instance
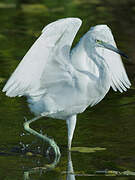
(109, 125)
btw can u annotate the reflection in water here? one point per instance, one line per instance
(70, 171)
(71, 174)
(44, 169)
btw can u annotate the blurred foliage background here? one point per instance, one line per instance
(22, 21)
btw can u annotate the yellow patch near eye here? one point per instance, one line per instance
(98, 41)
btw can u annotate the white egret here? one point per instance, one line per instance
(61, 83)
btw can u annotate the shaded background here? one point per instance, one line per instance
(110, 124)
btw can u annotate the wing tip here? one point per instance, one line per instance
(12, 94)
(7, 93)
(121, 84)
(3, 90)
(9, 90)
(75, 19)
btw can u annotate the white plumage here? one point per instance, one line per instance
(60, 82)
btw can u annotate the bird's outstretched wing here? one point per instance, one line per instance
(46, 62)
(119, 78)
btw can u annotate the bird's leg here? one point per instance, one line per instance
(44, 137)
(71, 122)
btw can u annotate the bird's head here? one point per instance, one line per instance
(101, 37)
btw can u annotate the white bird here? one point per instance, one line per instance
(61, 83)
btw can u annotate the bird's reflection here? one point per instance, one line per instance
(45, 168)
(69, 173)
(70, 170)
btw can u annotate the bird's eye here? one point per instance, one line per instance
(98, 41)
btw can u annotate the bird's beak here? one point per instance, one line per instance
(112, 48)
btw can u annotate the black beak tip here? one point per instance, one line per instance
(124, 55)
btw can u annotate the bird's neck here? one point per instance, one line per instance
(103, 80)
(86, 59)
(102, 66)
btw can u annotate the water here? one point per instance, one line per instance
(109, 125)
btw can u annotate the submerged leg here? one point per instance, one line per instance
(44, 137)
(71, 123)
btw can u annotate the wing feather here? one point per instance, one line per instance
(46, 60)
(119, 76)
